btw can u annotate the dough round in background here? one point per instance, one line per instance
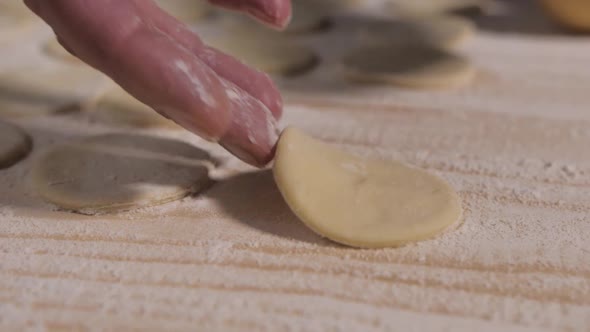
(15, 145)
(54, 49)
(307, 16)
(439, 30)
(42, 91)
(118, 172)
(15, 18)
(358, 202)
(117, 107)
(266, 51)
(571, 13)
(409, 65)
(428, 7)
(14, 14)
(188, 11)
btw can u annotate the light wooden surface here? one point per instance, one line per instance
(515, 144)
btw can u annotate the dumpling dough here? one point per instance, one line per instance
(15, 18)
(266, 51)
(358, 202)
(188, 11)
(307, 16)
(428, 7)
(116, 172)
(120, 108)
(572, 13)
(14, 145)
(39, 91)
(410, 65)
(439, 30)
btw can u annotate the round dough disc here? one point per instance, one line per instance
(410, 65)
(14, 145)
(439, 30)
(117, 107)
(119, 172)
(188, 11)
(359, 202)
(572, 13)
(54, 49)
(35, 91)
(14, 14)
(266, 51)
(307, 16)
(428, 7)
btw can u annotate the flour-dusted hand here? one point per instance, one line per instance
(158, 60)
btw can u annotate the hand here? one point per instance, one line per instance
(158, 60)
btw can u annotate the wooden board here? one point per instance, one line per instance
(515, 144)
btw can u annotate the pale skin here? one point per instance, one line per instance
(162, 63)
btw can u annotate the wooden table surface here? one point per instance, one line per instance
(515, 144)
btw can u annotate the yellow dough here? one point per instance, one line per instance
(15, 17)
(14, 145)
(429, 7)
(358, 202)
(119, 172)
(572, 13)
(185, 10)
(440, 30)
(410, 65)
(54, 49)
(14, 13)
(40, 91)
(266, 50)
(117, 107)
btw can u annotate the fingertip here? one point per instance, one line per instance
(274, 13)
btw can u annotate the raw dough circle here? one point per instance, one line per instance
(266, 51)
(41, 91)
(188, 11)
(440, 30)
(411, 65)
(307, 16)
(429, 7)
(117, 172)
(54, 49)
(117, 107)
(572, 13)
(14, 145)
(358, 202)
(14, 13)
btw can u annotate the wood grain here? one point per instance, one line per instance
(514, 144)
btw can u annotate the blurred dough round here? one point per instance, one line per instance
(187, 11)
(14, 145)
(429, 7)
(358, 202)
(54, 49)
(14, 13)
(41, 91)
(119, 172)
(267, 51)
(307, 16)
(440, 30)
(410, 65)
(117, 107)
(572, 13)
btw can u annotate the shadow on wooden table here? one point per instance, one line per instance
(254, 199)
(122, 172)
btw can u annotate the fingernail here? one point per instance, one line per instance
(252, 134)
